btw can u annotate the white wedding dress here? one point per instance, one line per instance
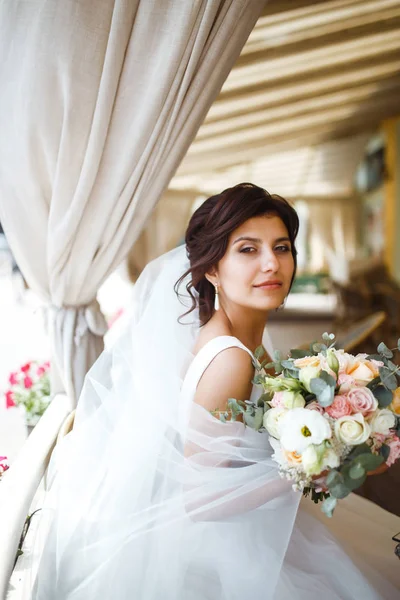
(153, 498)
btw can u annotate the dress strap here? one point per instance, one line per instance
(205, 356)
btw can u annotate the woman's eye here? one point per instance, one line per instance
(247, 249)
(282, 248)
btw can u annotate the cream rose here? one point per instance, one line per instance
(272, 421)
(362, 400)
(383, 421)
(308, 373)
(293, 400)
(352, 429)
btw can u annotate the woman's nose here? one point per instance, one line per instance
(269, 262)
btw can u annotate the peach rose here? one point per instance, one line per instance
(362, 400)
(395, 405)
(340, 407)
(363, 371)
(345, 361)
(293, 458)
(308, 361)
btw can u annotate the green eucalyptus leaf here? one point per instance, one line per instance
(334, 477)
(259, 352)
(339, 490)
(383, 395)
(360, 449)
(387, 378)
(356, 471)
(319, 347)
(288, 364)
(277, 355)
(331, 381)
(268, 365)
(328, 506)
(255, 418)
(398, 344)
(374, 357)
(324, 391)
(384, 350)
(373, 383)
(370, 461)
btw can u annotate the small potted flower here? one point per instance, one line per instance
(30, 390)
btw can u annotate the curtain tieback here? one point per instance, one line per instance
(85, 318)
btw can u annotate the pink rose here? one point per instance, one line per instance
(339, 407)
(9, 399)
(315, 406)
(40, 371)
(362, 400)
(13, 379)
(277, 400)
(394, 445)
(28, 383)
(25, 368)
(345, 382)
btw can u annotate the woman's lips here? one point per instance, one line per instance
(269, 285)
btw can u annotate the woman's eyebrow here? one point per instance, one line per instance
(258, 240)
(247, 239)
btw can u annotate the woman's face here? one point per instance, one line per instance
(257, 268)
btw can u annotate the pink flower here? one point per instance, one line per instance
(9, 400)
(13, 379)
(28, 383)
(277, 400)
(46, 365)
(25, 368)
(394, 445)
(340, 407)
(315, 406)
(40, 371)
(362, 400)
(345, 382)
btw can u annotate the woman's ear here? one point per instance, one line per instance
(212, 276)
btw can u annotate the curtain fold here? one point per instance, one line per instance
(99, 103)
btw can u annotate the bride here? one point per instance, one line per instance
(153, 497)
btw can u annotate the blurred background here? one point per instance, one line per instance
(311, 112)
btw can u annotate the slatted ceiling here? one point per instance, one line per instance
(291, 109)
(337, 17)
(302, 63)
(311, 72)
(239, 105)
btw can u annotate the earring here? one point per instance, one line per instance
(216, 301)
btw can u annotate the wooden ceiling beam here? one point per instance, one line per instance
(303, 63)
(304, 33)
(300, 88)
(302, 107)
(286, 126)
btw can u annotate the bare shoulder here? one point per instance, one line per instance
(229, 375)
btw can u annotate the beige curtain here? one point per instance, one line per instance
(99, 102)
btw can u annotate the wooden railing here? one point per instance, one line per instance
(20, 483)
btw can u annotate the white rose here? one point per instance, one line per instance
(352, 429)
(272, 421)
(316, 459)
(301, 427)
(308, 373)
(382, 421)
(293, 400)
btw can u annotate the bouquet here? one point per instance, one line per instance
(331, 417)
(30, 389)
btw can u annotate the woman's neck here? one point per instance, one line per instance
(248, 327)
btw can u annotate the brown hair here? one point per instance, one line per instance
(208, 234)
